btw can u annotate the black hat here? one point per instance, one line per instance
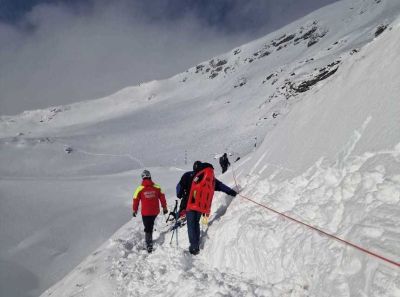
(146, 174)
(196, 165)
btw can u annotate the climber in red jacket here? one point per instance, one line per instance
(150, 195)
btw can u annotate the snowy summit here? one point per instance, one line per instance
(310, 113)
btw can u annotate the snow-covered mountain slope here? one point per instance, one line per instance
(326, 105)
(243, 93)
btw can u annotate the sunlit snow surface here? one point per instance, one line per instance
(330, 157)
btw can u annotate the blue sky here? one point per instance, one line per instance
(63, 51)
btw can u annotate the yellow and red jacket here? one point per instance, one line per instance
(150, 194)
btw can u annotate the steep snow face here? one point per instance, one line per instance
(330, 157)
(334, 162)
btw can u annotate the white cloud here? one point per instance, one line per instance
(60, 54)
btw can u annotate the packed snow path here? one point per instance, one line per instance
(122, 267)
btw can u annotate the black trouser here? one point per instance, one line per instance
(193, 228)
(148, 222)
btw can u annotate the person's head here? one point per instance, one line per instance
(196, 165)
(146, 174)
(225, 155)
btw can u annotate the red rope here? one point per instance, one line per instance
(317, 229)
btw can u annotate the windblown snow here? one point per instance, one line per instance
(312, 110)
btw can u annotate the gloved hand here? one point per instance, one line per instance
(233, 193)
(165, 210)
(134, 214)
(182, 213)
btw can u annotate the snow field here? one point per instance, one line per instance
(330, 157)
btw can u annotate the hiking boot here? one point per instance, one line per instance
(194, 252)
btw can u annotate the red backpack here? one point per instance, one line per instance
(202, 191)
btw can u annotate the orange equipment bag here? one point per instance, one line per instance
(202, 191)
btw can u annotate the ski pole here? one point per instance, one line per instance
(172, 236)
(173, 212)
(177, 242)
